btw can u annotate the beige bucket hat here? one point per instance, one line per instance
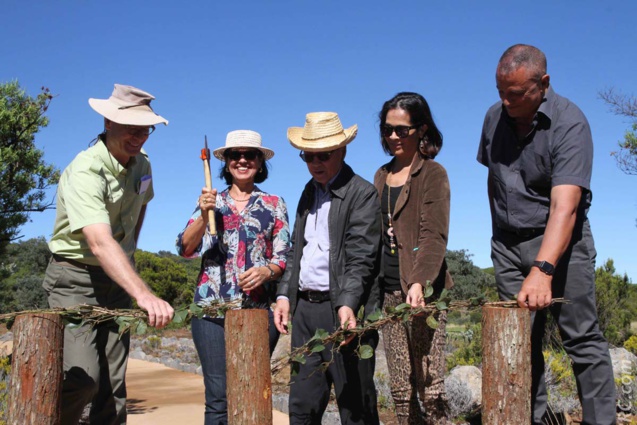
(243, 139)
(322, 132)
(128, 105)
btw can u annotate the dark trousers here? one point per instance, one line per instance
(583, 341)
(209, 338)
(353, 378)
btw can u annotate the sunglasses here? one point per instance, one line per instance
(138, 131)
(250, 155)
(402, 131)
(309, 156)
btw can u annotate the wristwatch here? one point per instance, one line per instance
(545, 267)
(271, 272)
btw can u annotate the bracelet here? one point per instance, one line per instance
(271, 272)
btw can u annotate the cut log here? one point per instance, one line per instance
(35, 387)
(248, 379)
(506, 366)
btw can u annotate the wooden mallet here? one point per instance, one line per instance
(205, 156)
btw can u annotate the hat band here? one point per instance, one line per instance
(323, 136)
(135, 106)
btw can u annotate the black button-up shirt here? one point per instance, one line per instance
(557, 151)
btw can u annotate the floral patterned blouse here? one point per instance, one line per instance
(257, 236)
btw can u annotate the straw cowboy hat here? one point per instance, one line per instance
(129, 106)
(322, 132)
(243, 139)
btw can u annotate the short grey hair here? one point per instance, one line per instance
(523, 56)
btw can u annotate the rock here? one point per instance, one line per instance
(624, 362)
(464, 390)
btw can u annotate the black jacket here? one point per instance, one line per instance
(354, 232)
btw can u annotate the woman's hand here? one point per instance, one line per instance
(415, 296)
(254, 277)
(207, 202)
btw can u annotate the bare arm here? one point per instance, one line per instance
(536, 288)
(118, 267)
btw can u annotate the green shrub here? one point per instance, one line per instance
(631, 344)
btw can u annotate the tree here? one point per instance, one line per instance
(167, 278)
(22, 271)
(624, 105)
(612, 293)
(469, 280)
(24, 176)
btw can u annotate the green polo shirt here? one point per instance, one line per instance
(95, 188)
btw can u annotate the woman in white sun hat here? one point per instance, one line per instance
(242, 262)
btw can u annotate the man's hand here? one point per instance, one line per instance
(348, 320)
(536, 291)
(160, 313)
(281, 314)
(415, 295)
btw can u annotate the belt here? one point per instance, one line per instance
(67, 262)
(524, 233)
(315, 296)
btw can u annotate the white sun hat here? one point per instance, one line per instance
(128, 105)
(243, 139)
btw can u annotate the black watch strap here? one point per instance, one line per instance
(545, 267)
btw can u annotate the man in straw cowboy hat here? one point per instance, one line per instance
(331, 274)
(101, 201)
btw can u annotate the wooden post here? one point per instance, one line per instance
(248, 378)
(506, 366)
(35, 388)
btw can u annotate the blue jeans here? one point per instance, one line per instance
(209, 338)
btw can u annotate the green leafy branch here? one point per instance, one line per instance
(128, 320)
(401, 313)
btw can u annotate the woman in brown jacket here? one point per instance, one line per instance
(414, 192)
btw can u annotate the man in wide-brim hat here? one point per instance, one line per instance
(331, 274)
(101, 201)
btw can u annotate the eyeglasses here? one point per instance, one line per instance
(250, 155)
(402, 131)
(309, 156)
(138, 131)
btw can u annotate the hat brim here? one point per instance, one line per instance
(324, 144)
(218, 153)
(140, 115)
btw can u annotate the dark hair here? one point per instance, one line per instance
(523, 55)
(420, 114)
(260, 177)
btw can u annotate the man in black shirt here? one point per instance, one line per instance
(539, 151)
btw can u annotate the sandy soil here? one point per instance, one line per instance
(158, 395)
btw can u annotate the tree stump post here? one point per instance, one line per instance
(506, 366)
(248, 378)
(35, 387)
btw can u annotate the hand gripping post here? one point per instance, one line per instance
(205, 156)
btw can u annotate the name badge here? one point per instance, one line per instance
(143, 184)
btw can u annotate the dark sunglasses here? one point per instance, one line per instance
(402, 131)
(309, 156)
(250, 155)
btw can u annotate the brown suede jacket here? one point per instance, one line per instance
(421, 223)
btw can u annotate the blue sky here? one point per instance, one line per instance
(262, 65)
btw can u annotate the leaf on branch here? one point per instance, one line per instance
(317, 348)
(181, 315)
(365, 352)
(361, 313)
(141, 328)
(432, 322)
(441, 305)
(402, 307)
(444, 295)
(299, 358)
(375, 316)
(429, 291)
(196, 310)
